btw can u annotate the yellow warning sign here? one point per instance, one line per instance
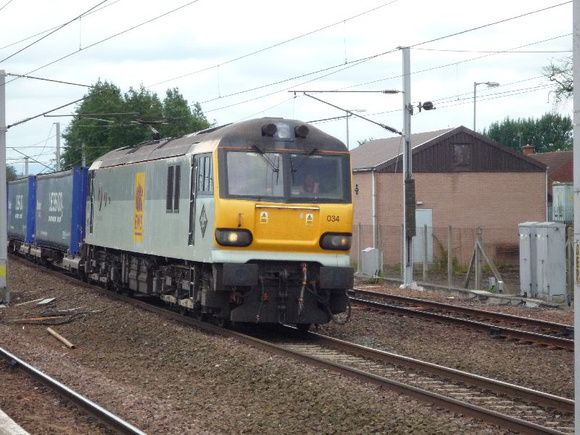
(139, 209)
(264, 217)
(309, 219)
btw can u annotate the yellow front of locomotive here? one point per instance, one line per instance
(283, 223)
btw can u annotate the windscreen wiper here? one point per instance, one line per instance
(263, 154)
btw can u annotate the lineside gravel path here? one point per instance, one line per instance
(165, 378)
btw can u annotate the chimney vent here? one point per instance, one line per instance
(528, 150)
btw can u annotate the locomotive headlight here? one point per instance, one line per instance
(283, 132)
(233, 237)
(336, 241)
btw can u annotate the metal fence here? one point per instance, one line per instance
(451, 257)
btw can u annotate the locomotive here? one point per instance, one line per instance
(249, 222)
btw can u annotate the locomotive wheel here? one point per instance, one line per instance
(222, 322)
(303, 328)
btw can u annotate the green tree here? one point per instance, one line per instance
(146, 111)
(552, 132)
(107, 119)
(97, 120)
(179, 117)
(11, 173)
(560, 71)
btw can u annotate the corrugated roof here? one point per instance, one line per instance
(376, 152)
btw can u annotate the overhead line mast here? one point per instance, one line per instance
(4, 291)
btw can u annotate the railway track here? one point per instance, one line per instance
(108, 419)
(509, 406)
(506, 405)
(498, 325)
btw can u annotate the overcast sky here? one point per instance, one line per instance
(240, 59)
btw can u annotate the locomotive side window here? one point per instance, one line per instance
(255, 174)
(173, 183)
(205, 174)
(176, 187)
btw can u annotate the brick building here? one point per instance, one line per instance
(462, 179)
(560, 167)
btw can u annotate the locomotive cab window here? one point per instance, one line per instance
(319, 177)
(173, 184)
(255, 174)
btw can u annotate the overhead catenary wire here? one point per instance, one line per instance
(6, 4)
(362, 60)
(278, 44)
(356, 63)
(34, 160)
(352, 63)
(329, 70)
(506, 51)
(55, 27)
(48, 80)
(386, 127)
(494, 23)
(448, 102)
(51, 32)
(111, 37)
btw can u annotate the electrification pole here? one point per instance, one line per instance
(408, 182)
(576, 77)
(4, 292)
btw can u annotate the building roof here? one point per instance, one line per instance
(554, 160)
(434, 152)
(377, 152)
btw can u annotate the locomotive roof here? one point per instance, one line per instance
(246, 134)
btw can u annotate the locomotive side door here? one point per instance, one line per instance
(200, 199)
(91, 198)
(193, 165)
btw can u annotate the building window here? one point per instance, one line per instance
(173, 185)
(462, 156)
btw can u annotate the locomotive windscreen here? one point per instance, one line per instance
(288, 177)
(255, 174)
(320, 177)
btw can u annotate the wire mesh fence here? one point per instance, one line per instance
(450, 257)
